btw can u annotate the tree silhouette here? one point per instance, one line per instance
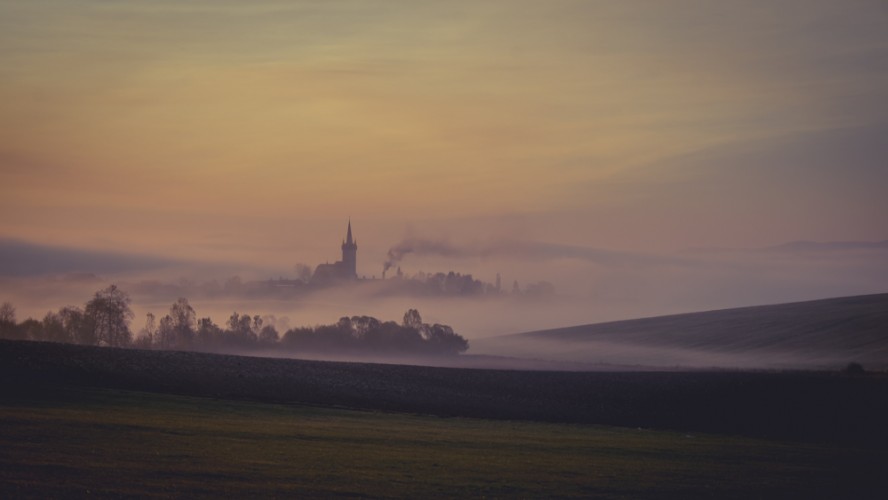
(183, 321)
(240, 331)
(8, 327)
(54, 328)
(268, 336)
(209, 335)
(108, 315)
(367, 334)
(412, 319)
(105, 322)
(31, 329)
(148, 334)
(77, 326)
(166, 334)
(444, 340)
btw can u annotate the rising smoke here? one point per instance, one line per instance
(523, 250)
(422, 247)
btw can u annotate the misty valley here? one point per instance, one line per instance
(411, 249)
(604, 410)
(104, 321)
(825, 334)
(83, 420)
(767, 401)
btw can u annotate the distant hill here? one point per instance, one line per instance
(815, 334)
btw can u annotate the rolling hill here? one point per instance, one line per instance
(828, 407)
(85, 421)
(819, 334)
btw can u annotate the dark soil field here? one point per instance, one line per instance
(105, 443)
(806, 406)
(86, 421)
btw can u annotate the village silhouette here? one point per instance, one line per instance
(344, 272)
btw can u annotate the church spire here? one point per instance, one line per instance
(350, 254)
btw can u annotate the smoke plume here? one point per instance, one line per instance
(523, 250)
(422, 247)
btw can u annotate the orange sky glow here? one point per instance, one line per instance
(249, 132)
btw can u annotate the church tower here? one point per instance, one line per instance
(350, 255)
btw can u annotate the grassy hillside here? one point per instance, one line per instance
(820, 334)
(109, 443)
(98, 422)
(814, 407)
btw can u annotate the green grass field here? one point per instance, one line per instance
(106, 443)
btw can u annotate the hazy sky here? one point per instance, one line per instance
(250, 131)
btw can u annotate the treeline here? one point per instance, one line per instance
(420, 284)
(456, 284)
(444, 284)
(105, 321)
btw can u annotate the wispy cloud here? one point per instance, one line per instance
(236, 131)
(21, 259)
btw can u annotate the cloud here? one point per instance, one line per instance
(22, 259)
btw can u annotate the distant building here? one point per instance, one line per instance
(343, 270)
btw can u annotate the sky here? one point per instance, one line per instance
(242, 136)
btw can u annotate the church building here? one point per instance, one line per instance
(343, 270)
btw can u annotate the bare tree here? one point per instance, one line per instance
(412, 319)
(77, 326)
(7, 313)
(54, 328)
(147, 335)
(240, 329)
(166, 333)
(8, 329)
(183, 322)
(109, 316)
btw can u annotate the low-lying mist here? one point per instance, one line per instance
(589, 286)
(472, 316)
(819, 334)
(600, 355)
